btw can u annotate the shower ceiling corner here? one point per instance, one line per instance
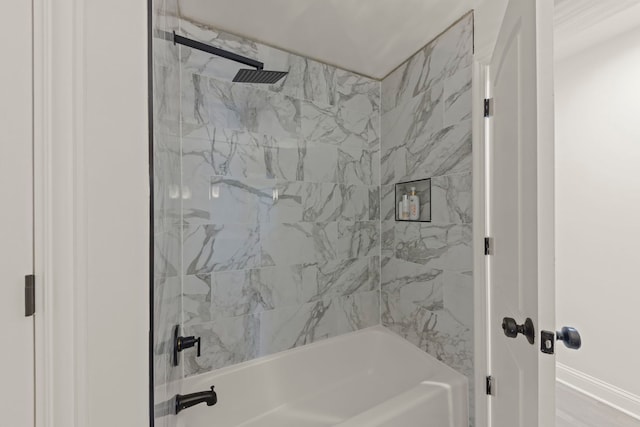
(361, 36)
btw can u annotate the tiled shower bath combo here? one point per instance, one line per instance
(275, 212)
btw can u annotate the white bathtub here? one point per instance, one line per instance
(369, 378)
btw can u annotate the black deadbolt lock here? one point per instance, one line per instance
(512, 329)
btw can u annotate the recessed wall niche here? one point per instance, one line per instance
(413, 201)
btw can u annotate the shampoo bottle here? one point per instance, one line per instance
(405, 207)
(414, 205)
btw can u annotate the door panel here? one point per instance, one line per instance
(515, 219)
(16, 214)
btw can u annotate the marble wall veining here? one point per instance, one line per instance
(427, 268)
(274, 204)
(280, 202)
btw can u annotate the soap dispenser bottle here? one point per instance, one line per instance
(405, 206)
(414, 205)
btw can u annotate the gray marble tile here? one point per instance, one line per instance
(307, 79)
(374, 203)
(225, 200)
(419, 118)
(374, 132)
(393, 165)
(458, 296)
(358, 311)
(413, 283)
(334, 125)
(415, 307)
(341, 278)
(451, 51)
(304, 283)
(420, 73)
(458, 97)
(239, 293)
(272, 205)
(355, 276)
(216, 247)
(161, 369)
(452, 197)
(319, 162)
(439, 246)
(301, 201)
(388, 237)
(319, 83)
(426, 268)
(166, 99)
(236, 154)
(291, 285)
(167, 310)
(166, 183)
(358, 165)
(356, 92)
(354, 203)
(209, 103)
(409, 130)
(242, 154)
(447, 151)
(296, 326)
(298, 243)
(225, 342)
(358, 239)
(455, 46)
(196, 299)
(167, 247)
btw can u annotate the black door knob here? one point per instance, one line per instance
(512, 329)
(570, 337)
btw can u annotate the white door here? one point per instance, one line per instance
(520, 215)
(16, 215)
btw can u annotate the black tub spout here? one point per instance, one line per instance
(184, 401)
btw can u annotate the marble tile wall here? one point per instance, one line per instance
(427, 268)
(274, 204)
(280, 203)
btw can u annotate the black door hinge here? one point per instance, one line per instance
(488, 245)
(29, 295)
(490, 385)
(488, 107)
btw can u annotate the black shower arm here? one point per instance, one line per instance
(178, 39)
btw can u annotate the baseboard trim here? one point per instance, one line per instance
(606, 393)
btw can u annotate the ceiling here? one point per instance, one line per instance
(582, 23)
(371, 37)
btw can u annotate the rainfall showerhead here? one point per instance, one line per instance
(259, 75)
(246, 75)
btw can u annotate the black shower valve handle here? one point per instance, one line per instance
(181, 343)
(188, 342)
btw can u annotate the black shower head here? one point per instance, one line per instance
(246, 75)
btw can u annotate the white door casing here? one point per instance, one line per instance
(16, 215)
(520, 215)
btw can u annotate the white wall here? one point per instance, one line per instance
(598, 216)
(117, 189)
(92, 213)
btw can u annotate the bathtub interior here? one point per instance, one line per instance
(366, 378)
